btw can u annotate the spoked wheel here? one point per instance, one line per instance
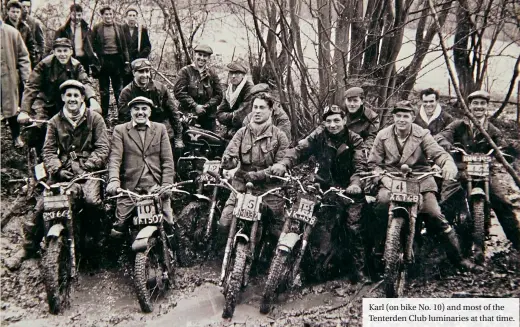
(234, 281)
(150, 275)
(479, 218)
(395, 272)
(277, 275)
(57, 275)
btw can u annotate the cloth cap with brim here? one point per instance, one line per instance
(403, 106)
(236, 67)
(131, 9)
(332, 110)
(72, 83)
(479, 94)
(354, 92)
(140, 63)
(259, 88)
(14, 3)
(141, 100)
(62, 42)
(203, 48)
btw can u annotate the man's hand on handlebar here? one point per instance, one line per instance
(65, 175)
(113, 187)
(278, 170)
(23, 118)
(387, 182)
(353, 189)
(449, 170)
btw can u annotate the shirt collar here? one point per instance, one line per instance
(407, 136)
(148, 123)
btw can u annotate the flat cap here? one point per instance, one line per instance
(479, 94)
(72, 83)
(258, 88)
(354, 92)
(14, 3)
(403, 106)
(236, 66)
(203, 48)
(131, 8)
(62, 42)
(140, 63)
(144, 100)
(105, 8)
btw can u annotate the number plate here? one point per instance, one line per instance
(478, 168)
(399, 186)
(401, 197)
(146, 213)
(55, 214)
(248, 207)
(305, 210)
(212, 166)
(476, 158)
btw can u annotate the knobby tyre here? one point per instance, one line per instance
(277, 272)
(57, 274)
(395, 275)
(235, 280)
(479, 221)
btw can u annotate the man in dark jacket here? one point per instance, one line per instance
(361, 119)
(137, 39)
(339, 154)
(41, 96)
(76, 29)
(109, 43)
(36, 29)
(431, 115)
(14, 18)
(236, 103)
(198, 89)
(164, 109)
(464, 134)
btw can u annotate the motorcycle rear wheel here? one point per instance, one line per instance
(277, 275)
(479, 237)
(57, 275)
(395, 273)
(235, 280)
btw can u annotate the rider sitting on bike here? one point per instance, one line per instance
(76, 143)
(406, 143)
(339, 154)
(41, 97)
(254, 149)
(463, 133)
(140, 160)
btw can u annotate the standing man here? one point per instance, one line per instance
(15, 67)
(361, 119)
(76, 29)
(140, 158)
(198, 89)
(36, 30)
(431, 116)
(237, 100)
(164, 109)
(14, 18)
(109, 42)
(137, 39)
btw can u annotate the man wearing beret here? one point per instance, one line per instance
(137, 39)
(164, 109)
(140, 159)
(361, 119)
(431, 115)
(109, 43)
(404, 142)
(41, 96)
(76, 143)
(198, 89)
(464, 134)
(236, 103)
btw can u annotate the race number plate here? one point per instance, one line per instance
(146, 213)
(478, 164)
(210, 166)
(248, 208)
(401, 197)
(399, 186)
(55, 214)
(305, 211)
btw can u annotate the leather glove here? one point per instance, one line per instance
(65, 175)
(387, 182)
(227, 162)
(353, 189)
(23, 118)
(278, 169)
(178, 143)
(254, 176)
(76, 168)
(199, 110)
(112, 187)
(165, 194)
(449, 170)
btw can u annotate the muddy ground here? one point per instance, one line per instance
(104, 296)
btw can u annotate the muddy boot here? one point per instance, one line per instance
(452, 248)
(358, 260)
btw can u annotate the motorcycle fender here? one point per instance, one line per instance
(287, 241)
(242, 236)
(401, 212)
(55, 230)
(477, 191)
(202, 197)
(141, 241)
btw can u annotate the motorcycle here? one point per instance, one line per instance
(60, 239)
(154, 264)
(405, 198)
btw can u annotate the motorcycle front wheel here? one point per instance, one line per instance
(277, 275)
(479, 221)
(235, 280)
(57, 275)
(395, 272)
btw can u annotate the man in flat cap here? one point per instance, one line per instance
(360, 118)
(140, 159)
(431, 115)
(109, 43)
(137, 39)
(41, 98)
(404, 142)
(198, 88)
(164, 109)
(236, 103)
(76, 143)
(463, 133)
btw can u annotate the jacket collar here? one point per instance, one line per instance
(134, 135)
(365, 113)
(267, 132)
(413, 142)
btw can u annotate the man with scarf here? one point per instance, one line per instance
(198, 89)
(76, 143)
(431, 116)
(236, 103)
(463, 133)
(137, 39)
(340, 157)
(361, 119)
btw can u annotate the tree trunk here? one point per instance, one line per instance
(324, 29)
(339, 69)
(357, 39)
(373, 15)
(461, 50)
